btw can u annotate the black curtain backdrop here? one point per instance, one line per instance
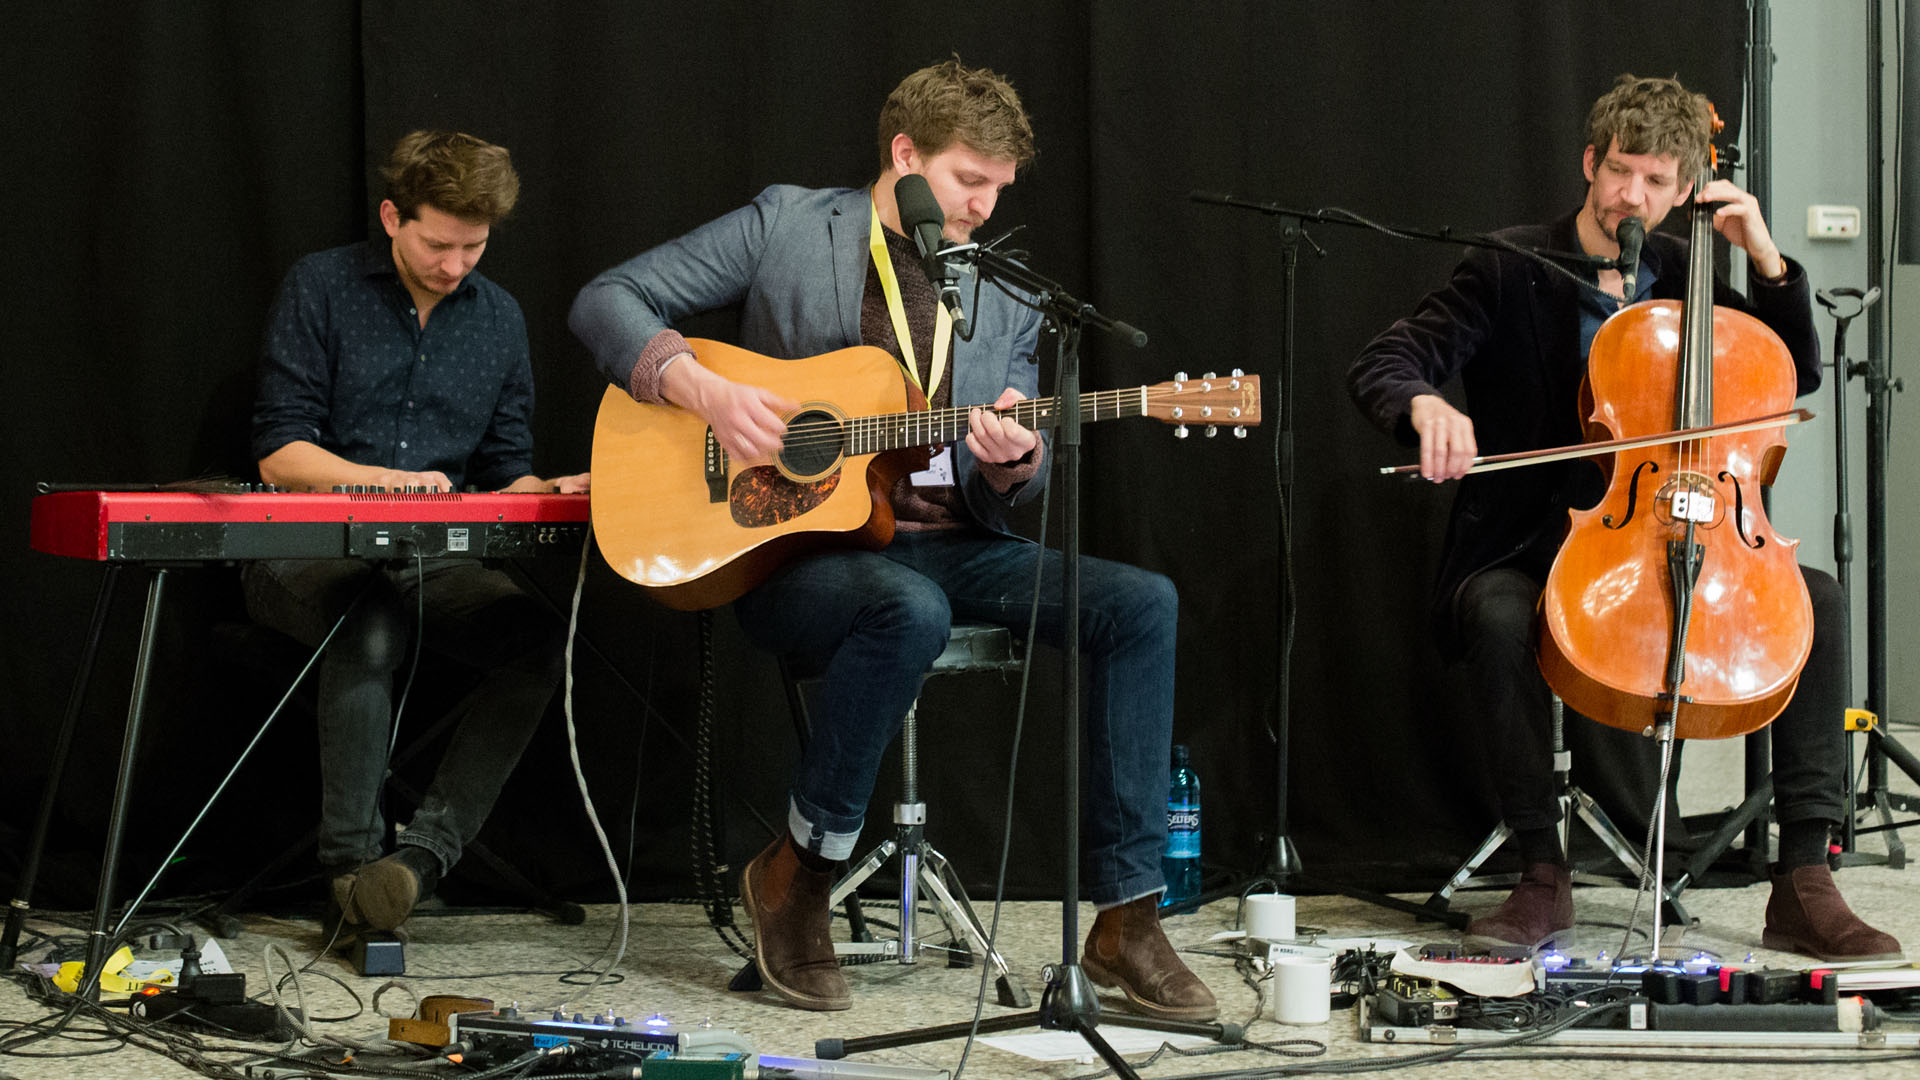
(170, 161)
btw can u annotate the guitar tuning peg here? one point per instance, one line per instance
(1239, 433)
(1179, 376)
(1212, 430)
(1209, 375)
(1179, 431)
(1236, 373)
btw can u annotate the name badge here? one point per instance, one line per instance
(939, 471)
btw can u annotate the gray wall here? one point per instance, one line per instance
(1820, 147)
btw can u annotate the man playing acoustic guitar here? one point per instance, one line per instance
(818, 270)
(1518, 337)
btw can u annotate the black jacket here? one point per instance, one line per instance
(1510, 329)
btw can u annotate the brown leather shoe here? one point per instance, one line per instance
(1806, 914)
(1127, 949)
(792, 947)
(1540, 905)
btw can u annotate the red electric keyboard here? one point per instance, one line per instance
(159, 530)
(181, 527)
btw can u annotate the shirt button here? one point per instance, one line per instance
(403, 444)
(423, 358)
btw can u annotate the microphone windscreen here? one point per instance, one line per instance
(1632, 234)
(917, 205)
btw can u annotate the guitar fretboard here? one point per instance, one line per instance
(932, 427)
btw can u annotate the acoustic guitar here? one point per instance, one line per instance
(672, 513)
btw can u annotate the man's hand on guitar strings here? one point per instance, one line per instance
(748, 421)
(997, 438)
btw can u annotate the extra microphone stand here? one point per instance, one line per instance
(1068, 1002)
(1881, 747)
(1283, 866)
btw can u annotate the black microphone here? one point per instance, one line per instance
(922, 219)
(1632, 233)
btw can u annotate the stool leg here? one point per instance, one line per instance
(1443, 895)
(909, 819)
(923, 872)
(909, 899)
(936, 873)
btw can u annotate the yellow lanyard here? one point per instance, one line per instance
(890, 286)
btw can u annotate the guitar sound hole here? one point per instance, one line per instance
(813, 443)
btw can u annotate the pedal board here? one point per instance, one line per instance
(507, 1031)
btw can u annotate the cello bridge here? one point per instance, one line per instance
(1689, 497)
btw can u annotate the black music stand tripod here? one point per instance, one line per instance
(1068, 1001)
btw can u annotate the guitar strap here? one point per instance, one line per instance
(897, 309)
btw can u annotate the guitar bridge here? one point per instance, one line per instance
(716, 470)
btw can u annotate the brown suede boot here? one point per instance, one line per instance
(385, 892)
(792, 947)
(1806, 914)
(1539, 905)
(1127, 949)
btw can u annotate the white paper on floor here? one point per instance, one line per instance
(1069, 1046)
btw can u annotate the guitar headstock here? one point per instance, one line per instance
(1230, 401)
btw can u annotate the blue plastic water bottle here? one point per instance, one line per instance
(1181, 864)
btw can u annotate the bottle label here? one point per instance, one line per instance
(1183, 832)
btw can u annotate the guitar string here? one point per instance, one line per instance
(833, 434)
(829, 432)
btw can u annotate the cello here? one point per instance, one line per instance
(1673, 608)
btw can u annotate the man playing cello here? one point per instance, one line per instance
(1518, 336)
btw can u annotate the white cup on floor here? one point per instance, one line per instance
(1269, 917)
(1301, 986)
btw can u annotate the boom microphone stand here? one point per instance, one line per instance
(1068, 1002)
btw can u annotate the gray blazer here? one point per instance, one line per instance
(795, 261)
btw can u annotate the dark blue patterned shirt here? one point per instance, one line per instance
(1597, 307)
(347, 366)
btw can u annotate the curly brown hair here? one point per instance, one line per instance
(1653, 116)
(949, 103)
(452, 172)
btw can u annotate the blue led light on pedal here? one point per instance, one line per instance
(547, 1041)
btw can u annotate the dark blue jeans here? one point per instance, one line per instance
(472, 614)
(876, 620)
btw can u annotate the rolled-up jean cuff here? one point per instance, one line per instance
(819, 837)
(434, 846)
(1127, 891)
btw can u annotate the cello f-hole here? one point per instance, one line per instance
(1740, 512)
(1633, 495)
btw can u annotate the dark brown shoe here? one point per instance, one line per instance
(1127, 949)
(1806, 914)
(792, 946)
(386, 891)
(1539, 906)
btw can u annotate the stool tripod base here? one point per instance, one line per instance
(1574, 803)
(924, 873)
